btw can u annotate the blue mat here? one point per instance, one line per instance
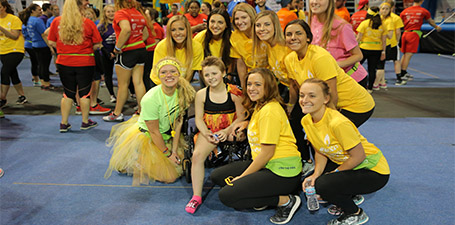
(53, 178)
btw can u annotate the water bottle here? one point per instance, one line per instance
(312, 200)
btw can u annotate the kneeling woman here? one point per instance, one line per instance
(150, 146)
(346, 163)
(274, 174)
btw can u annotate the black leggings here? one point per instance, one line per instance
(10, 62)
(373, 57)
(44, 56)
(339, 188)
(147, 68)
(258, 189)
(76, 79)
(108, 74)
(33, 60)
(357, 118)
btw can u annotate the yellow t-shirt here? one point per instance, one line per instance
(242, 48)
(270, 125)
(320, 64)
(397, 23)
(334, 135)
(214, 45)
(372, 39)
(8, 45)
(276, 55)
(180, 54)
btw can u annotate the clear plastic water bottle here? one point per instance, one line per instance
(312, 199)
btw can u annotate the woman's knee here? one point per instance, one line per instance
(228, 196)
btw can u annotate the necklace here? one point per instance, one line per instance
(171, 124)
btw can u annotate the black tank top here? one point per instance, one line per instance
(218, 108)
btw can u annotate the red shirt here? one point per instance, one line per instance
(137, 23)
(413, 17)
(159, 31)
(357, 18)
(172, 14)
(150, 42)
(82, 54)
(195, 21)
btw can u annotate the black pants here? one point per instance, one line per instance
(338, 188)
(147, 68)
(357, 118)
(108, 74)
(76, 79)
(9, 73)
(44, 56)
(33, 60)
(258, 189)
(373, 57)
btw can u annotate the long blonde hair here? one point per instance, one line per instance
(104, 22)
(71, 25)
(188, 43)
(246, 8)
(278, 36)
(328, 23)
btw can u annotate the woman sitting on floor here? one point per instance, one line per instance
(150, 145)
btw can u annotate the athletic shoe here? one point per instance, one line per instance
(64, 127)
(358, 219)
(2, 103)
(284, 213)
(383, 86)
(78, 110)
(102, 84)
(113, 118)
(400, 82)
(36, 84)
(336, 211)
(192, 205)
(48, 88)
(52, 74)
(408, 76)
(99, 101)
(2, 172)
(90, 124)
(307, 168)
(21, 100)
(113, 99)
(375, 88)
(358, 199)
(370, 91)
(98, 110)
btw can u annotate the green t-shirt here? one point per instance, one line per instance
(154, 107)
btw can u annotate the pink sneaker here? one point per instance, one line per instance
(193, 204)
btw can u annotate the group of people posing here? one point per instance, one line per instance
(301, 86)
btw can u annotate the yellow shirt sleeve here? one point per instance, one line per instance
(345, 133)
(160, 52)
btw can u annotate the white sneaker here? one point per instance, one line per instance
(113, 99)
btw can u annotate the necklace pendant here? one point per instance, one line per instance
(173, 133)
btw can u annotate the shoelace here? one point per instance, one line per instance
(192, 204)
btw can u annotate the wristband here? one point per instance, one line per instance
(116, 48)
(167, 153)
(336, 171)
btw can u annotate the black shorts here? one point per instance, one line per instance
(390, 54)
(129, 59)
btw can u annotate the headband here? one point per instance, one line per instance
(371, 12)
(168, 62)
(386, 3)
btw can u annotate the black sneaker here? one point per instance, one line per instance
(284, 213)
(2, 103)
(21, 100)
(400, 82)
(65, 127)
(90, 124)
(356, 219)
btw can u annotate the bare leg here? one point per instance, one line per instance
(201, 150)
(85, 107)
(94, 92)
(123, 78)
(4, 91)
(65, 108)
(19, 89)
(405, 60)
(138, 82)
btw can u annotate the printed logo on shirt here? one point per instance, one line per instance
(310, 75)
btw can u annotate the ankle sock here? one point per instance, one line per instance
(403, 72)
(192, 208)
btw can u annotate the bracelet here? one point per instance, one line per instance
(336, 170)
(117, 48)
(167, 153)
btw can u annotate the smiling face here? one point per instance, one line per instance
(319, 6)
(213, 76)
(169, 76)
(217, 25)
(296, 38)
(178, 32)
(312, 99)
(243, 21)
(255, 87)
(110, 12)
(384, 10)
(265, 29)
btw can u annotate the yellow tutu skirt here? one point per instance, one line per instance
(134, 152)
